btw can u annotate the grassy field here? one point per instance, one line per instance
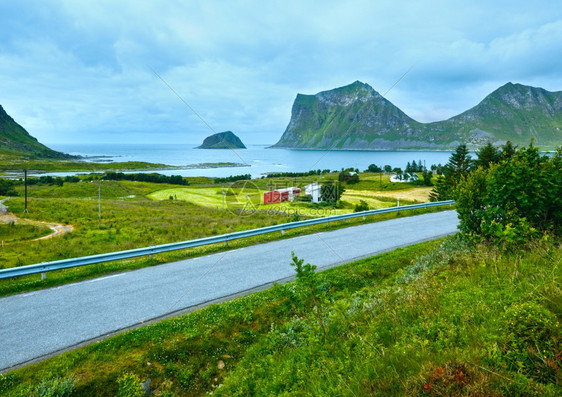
(45, 165)
(378, 196)
(210, 197)
(11, 232)
(132, 218)
(439, 318)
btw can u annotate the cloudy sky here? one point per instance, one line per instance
(87, 71)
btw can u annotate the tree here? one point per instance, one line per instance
(387, 168)
(427, 175)
(487, 155)
(7, 188)
(508, 150)
(511, 201)
(414, 167)
(374, 168)
(348, 176)
(459, 166)
(471, 203)
(440, 189)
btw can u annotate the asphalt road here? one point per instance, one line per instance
(38, 324)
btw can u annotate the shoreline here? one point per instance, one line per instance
(99, 167)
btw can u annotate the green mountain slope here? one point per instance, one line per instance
(358, 117)
(16, 141)
(512, 112)
(222, 140)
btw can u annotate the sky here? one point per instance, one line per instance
(90, 72)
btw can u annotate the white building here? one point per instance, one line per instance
(405, 177)
(313, 190)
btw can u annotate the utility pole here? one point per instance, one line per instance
(25, 178)
(99, 203)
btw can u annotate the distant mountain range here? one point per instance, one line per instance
(222, 140)
(16, 141)
(358, 117)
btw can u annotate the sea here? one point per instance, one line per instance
(256, 160)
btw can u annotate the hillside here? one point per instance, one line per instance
(358, 117)
(387, 326)
(16, 141)
(512, 112)
(222, 140)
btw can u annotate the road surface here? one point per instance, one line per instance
(38, 324)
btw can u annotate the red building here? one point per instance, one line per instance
(281, 195)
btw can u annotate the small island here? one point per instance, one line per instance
(222, 140)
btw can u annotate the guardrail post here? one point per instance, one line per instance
(43, 275)
(282, 232)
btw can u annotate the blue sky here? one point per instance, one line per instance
(80, 71)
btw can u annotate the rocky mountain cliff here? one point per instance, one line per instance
(16, 141)
(358, 117)
(222, 140)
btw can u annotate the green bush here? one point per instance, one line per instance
(362, 206)
(512, 202)
(7, 188)
(531, 342)
(56, 387)
(129, 386)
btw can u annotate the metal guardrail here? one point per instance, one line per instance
(157, 249)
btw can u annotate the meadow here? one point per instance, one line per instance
(439, 318)
(140, 214)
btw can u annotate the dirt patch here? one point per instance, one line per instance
(58, 230)
(416, 194)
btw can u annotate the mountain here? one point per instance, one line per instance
(16, 141)
(513, 112)
(222, 140)
(358, 117)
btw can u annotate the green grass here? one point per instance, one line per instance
(49, 165)
(439, 318)
(10, 232)
(188, 348)
(89, 190)
(45, 165)
(17, 253)
(131, 220)
(211, 196)
(207, 197)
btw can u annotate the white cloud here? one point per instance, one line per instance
(79, 72)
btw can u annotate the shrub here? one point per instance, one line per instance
(7, 188)
(511, 202)
(531, 341)
(362, 206)
(56, 387)
(129, 386)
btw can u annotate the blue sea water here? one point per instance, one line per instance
(257, 159)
